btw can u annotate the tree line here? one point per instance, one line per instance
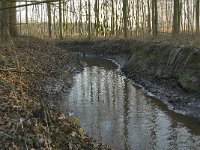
(99, 18)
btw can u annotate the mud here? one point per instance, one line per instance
(166, 71)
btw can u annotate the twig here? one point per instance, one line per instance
(9, 136)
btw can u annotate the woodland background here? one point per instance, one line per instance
(99, 18)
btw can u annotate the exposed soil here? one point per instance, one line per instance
(33, 75)
(165, 70)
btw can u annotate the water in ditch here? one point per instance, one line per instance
(112, 110)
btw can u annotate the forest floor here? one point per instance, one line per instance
(30, 69)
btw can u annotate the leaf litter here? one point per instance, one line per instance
(26, 120)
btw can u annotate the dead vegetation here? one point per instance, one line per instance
(26, 120)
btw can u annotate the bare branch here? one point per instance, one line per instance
(24, 5)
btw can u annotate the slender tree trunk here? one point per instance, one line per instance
(154, 18)
(54, 21)
(167, 15)
(133, 17)
(116, 17)
(20, 23)
(26, 13)
(66, 19)
(188, 17)
(0, 19)
(89, 20)
(73, 19)
(60, 19)
(97, 22)
(129, 17)
(63, 18)
(105, 21)
(197, 16)
(41, 20)
(4, 21)
(13, 19)
(137, 22)
(149, 17)
(80, 18)
(49, 19)
(176, 18)
(125, 17)
(112, 18)
(86, 21)
(120, 17)
(179, 14)
(143, 17)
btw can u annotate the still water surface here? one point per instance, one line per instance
(112, 110)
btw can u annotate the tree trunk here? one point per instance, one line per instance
(112, 18)
(105, 20)
(137, 21)
(49, 19)
(89, 20)
(179, 14)
(97, 22)
(26, 13)
(176, 18)
(197, 17)
(116, 16)
(149, 17)
(154, 18)
(0, 18)
(125, 17)
(80, 18)
(13, 19)
(60, 19)
(4, 18)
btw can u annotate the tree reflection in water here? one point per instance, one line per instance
(112, 110)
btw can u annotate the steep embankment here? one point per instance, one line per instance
(170, 72)
(33, 71)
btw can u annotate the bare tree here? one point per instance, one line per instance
(4, 20)
(176, 18)
(49, 18)
(197, 16)
(125, 2)
(80, 18)
(60, 19)
(148, 17)
(112, 18)
(89, 19)
(154, 18)
(13, 19)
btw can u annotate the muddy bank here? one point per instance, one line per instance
(167, 71)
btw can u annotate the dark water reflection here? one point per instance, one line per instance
(112, 110)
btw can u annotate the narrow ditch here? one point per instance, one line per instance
(111, 109)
